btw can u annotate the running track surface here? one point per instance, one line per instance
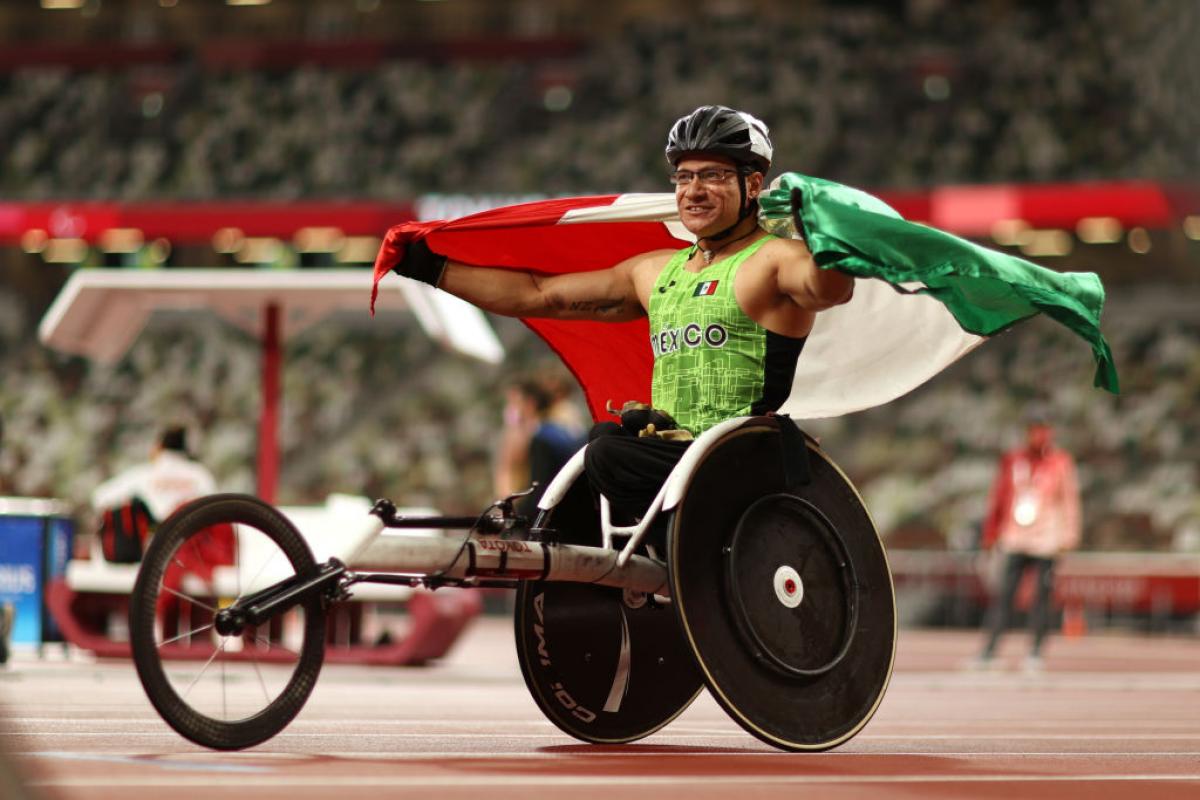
(1111, 716)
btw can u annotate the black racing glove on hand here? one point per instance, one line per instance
(636, 416)
(421, 264)
(797, 218)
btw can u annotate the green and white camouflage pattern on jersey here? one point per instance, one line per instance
(710, 359)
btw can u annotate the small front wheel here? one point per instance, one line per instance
(222, 691)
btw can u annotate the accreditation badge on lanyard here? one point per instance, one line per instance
(1025, 510)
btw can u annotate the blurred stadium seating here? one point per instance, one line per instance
(977, 92)
(389, 102)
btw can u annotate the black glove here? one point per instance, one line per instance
(797, 219)
(421, 264)
(636, 416)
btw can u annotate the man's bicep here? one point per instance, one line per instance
(808, 285)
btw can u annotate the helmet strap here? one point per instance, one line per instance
(747, 209)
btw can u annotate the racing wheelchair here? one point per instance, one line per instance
(773, 592)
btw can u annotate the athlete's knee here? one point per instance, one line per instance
(601, 452)
(605, 429)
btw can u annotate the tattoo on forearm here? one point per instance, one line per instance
(596, 306)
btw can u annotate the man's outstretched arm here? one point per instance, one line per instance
(605, 295)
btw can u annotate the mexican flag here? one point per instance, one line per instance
(931, 297)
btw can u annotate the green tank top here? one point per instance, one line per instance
(711, 361)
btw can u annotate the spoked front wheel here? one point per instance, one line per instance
(226, 690)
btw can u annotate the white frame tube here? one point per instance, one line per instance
(493, 558)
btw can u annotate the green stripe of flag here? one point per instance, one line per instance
(986, 291)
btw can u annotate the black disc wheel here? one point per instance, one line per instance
(780, 545)
(222, 687)
(604, 665)
(784, 593)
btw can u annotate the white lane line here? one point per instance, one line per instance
(1071, 681)
(298, 735)
(648, 750)
(1031, 737)
(983, 737)
(340, 722)
(532, 781)
(699, 726)
(154, 761)
(670, 736)
(652, 752)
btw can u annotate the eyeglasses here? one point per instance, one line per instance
(708, 177)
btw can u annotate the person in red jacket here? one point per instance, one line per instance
(1033, 517)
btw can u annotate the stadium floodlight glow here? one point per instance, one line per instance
(1010, 232)
(1191, 227)
(228, 240)
(160, 250)
(58, 5)
(1099, 230)
(33, 241)
(359, 250)
(121, 240)
(1139, 240)
(318, 240)
(247, 2)
(259, 250)
(1047, 243)
(65, 251)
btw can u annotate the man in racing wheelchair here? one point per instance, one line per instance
(778, 597)
(728, 315)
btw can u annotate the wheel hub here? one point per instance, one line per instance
(788, 586)
(228, 622)
(781, 547)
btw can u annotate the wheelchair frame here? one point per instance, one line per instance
(503, 549)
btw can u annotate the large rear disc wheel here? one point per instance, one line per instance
(784, 593)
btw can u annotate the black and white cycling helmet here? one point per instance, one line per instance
(722, 131)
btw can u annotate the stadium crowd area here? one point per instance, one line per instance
(1057, 91)
(926, 461)
(978, 92)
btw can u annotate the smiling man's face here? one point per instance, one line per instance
(711, 200)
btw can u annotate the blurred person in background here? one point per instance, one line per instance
(539, 437)
(565, 410)
(1033, 517)
(146, 494)
(755, 295)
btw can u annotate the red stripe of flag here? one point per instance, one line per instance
(611, 361)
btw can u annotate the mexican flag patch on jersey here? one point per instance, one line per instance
(705, 288)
